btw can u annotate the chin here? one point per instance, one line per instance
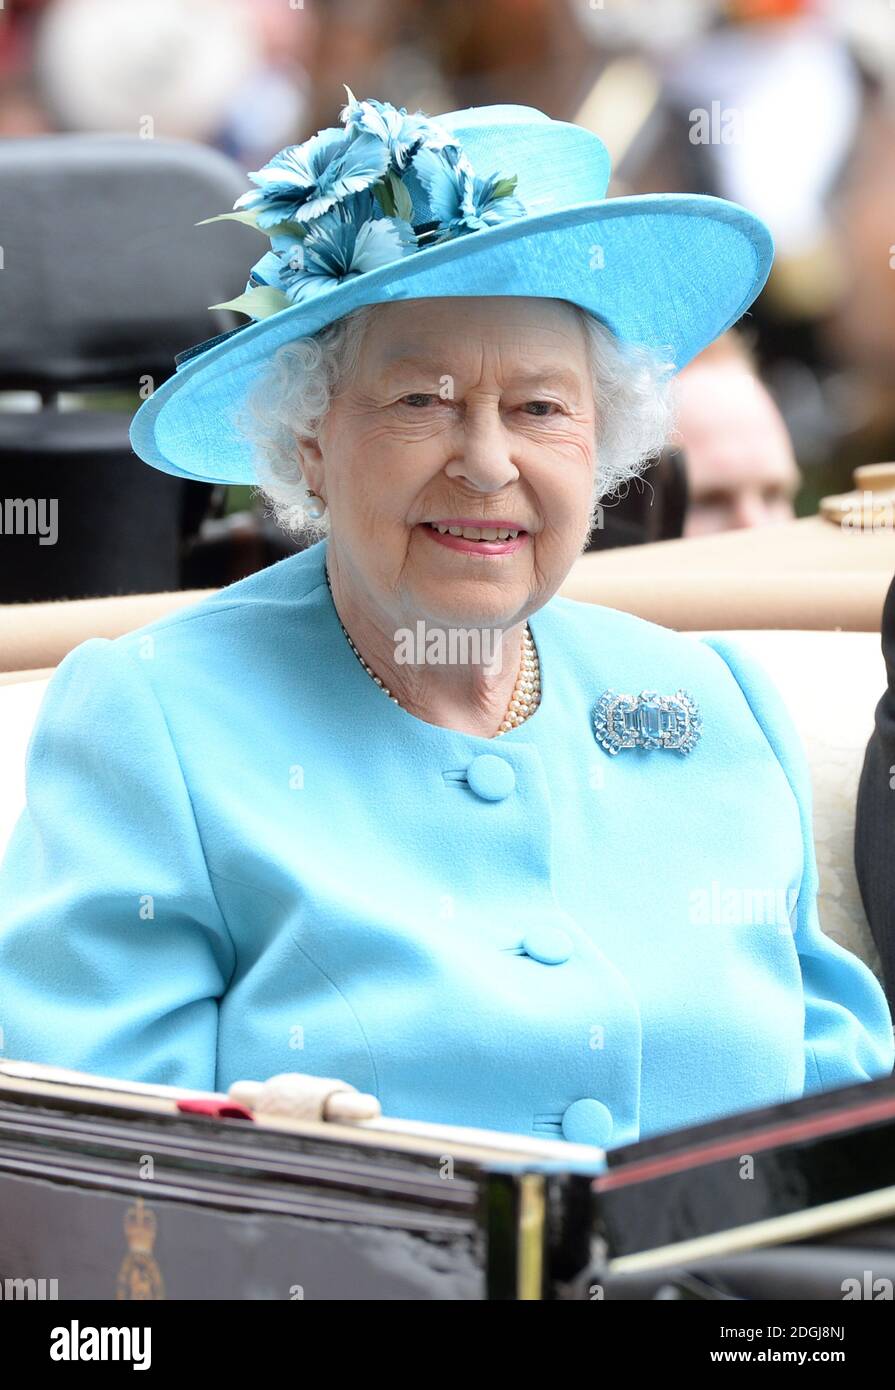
(474, 603)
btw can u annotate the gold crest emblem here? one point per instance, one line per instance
(139, 1276)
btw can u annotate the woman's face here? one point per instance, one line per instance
(462, 413)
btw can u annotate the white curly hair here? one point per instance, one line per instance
(632, 397)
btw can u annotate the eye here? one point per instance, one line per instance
(540, 408)
(418, 400)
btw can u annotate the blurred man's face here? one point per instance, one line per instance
(741, 470)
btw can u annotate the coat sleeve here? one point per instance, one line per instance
(113, 951)
(875, 819)
(848, 1027)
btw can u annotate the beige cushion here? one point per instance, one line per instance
(831, 682)
(805, 574)
(41, 634)
(19, 704)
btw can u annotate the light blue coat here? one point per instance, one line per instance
(239, 858)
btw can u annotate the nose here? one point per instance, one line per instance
(483, 455)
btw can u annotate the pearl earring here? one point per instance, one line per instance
(314, 506)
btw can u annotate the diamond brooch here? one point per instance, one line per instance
(647, 720)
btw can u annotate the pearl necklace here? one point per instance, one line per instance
(526, 694)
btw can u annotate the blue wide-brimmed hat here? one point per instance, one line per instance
(494, 200)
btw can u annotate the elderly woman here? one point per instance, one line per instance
(389, 818)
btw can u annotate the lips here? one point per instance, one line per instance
(476, 533)
(502, 537)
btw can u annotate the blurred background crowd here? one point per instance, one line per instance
(787, 106)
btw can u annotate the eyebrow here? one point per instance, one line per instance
(535, 376)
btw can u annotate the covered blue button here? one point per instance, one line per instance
(490, 777)
(587, 1121)
(549, 945)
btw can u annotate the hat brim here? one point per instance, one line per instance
(666, 271)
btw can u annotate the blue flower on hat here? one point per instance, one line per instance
(402, 134)
(460, 200)
(349, 240)
(304, 181)
(354, 198)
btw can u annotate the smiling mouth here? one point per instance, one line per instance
(478, 533)
(494, 542)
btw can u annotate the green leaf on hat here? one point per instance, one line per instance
(505, 187)
(248, 218)
(259, 302)
(403, 200)
(393, 198)
(385, 196)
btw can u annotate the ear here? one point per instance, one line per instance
(310, 461)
